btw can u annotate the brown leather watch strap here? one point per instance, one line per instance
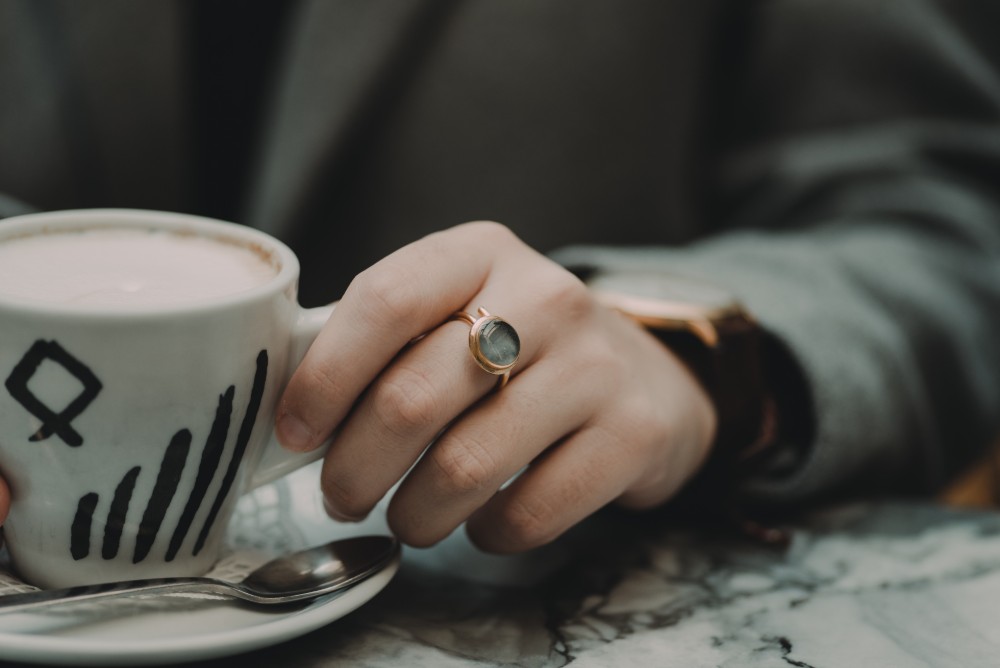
(732, 373)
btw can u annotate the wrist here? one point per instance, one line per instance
(719, 342)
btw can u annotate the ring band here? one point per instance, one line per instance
(493, 341)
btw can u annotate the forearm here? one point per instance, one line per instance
(902, 371)
(861, 229)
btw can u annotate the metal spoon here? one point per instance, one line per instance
(299, 576)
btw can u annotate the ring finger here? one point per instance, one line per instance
(429, 384)
(467, 464)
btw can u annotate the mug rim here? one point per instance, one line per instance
(68, 220)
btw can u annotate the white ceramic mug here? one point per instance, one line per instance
(127, 436)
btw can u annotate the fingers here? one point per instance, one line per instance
(424, 389)
(430, 383)
(491, 443)
(650, 432)
(402, 297)
(572, 481)
(598, 410)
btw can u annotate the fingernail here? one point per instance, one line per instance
(337, 515)
(293, 433)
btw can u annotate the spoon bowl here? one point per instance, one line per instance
(322, 570)
(298, 576)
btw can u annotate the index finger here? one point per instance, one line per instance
(388, 305)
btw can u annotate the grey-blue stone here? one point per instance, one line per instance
(499, 343)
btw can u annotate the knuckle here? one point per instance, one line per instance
(528, 524)
(344, 496)
(604, 367)
(619, 437)
(490, 229)
(635, 417)
(604, 359)
(466, 466)
(387, 294)
(567, 294)
(657, 427)
(319, 380)
(404, 402)
(640, 422)
(658, 479)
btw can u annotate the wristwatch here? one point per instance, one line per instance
(718, 339)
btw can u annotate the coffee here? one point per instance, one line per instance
(120, 267)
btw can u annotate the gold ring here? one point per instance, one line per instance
(493, 341)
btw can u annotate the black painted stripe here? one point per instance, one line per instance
(167, 480)
(246, 429)
(79, 545)
(118, 512)
(210, 458)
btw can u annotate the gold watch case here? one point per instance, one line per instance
(664, 301)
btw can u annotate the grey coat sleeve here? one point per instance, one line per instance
(856, 199)
(10, 206)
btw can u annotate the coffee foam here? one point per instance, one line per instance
(126, 268)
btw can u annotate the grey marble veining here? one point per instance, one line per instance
(890, 585)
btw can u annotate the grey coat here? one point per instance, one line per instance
(835, 163)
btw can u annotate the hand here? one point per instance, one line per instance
(596, 409)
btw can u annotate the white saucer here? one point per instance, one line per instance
(202, 631)
(280, 517)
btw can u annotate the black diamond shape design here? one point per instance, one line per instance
(53, 423)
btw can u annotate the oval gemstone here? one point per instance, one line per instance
(499, 343)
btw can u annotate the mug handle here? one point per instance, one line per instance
(275, 461)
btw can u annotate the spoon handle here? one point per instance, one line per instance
(40, 599)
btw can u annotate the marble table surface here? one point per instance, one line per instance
(890, 584)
